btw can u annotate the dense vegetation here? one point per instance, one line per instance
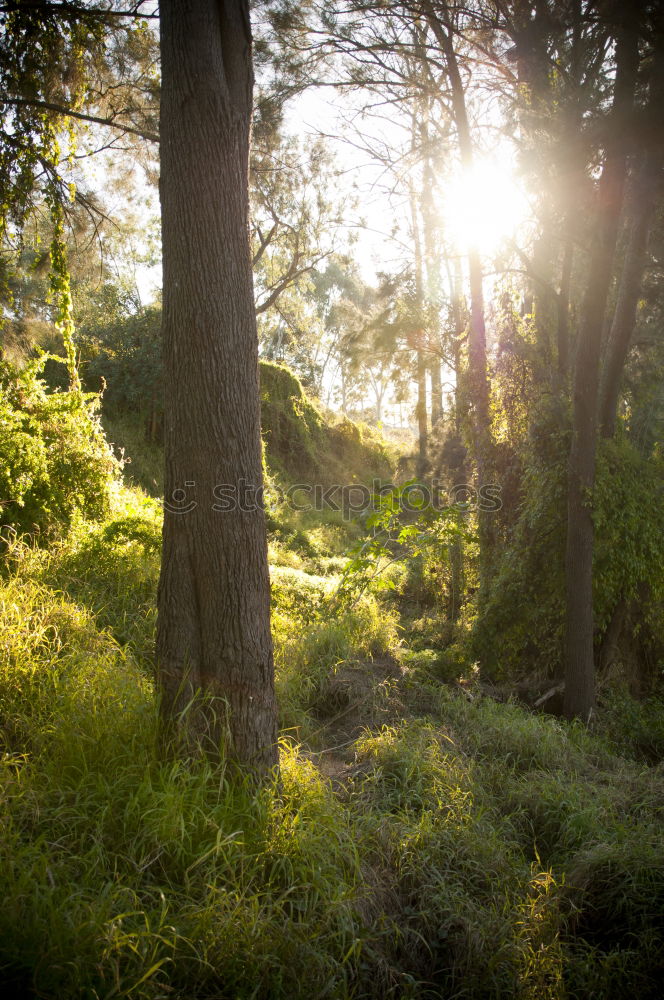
(426, 839)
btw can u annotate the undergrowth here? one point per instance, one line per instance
(465, 848)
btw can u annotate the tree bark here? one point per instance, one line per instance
(573, 180)
(624, 318)
(580, 668)
(436, 391)
(456, 554)
(421, 411)
(214, 649)
(432, 264)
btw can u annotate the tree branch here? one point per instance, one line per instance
(75, 10)
(60, 110)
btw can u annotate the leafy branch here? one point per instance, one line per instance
(402, 526)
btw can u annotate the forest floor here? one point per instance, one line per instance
(425, 840)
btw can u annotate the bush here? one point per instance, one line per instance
(55, 463)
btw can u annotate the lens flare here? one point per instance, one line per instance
(484, 207)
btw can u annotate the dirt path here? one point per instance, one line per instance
(358, 696)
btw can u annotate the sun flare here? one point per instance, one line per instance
(484, 207)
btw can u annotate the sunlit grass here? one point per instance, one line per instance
(468, 849)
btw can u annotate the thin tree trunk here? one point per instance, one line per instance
(563, 311)
(478, 379)
(575, 178)
(580, 669)
(545, 300)
(436, 391)
(431, 265)
(214, 649)
(609, 649)
(421, 405)
(379, 393)
(456, 579)
(421, 408)
(456, 285)
(456, 545)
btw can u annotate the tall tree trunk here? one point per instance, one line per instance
(647, 182)
(379, 392)
(580, 669)
(431, 263)
(545, 299)
(573, 182)
(421, 411)
(214, 649)
(456, 545)
(458, 308)
(624, 317)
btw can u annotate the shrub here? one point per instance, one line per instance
(55, 463)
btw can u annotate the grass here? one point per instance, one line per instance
(462, 848)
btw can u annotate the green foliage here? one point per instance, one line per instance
(49, 59)
(159, 896)
(113, 570)
(42, 62)
(628, 513)
(467, 848)
(448, 664)
(360, 449)
(54, 61)
(312, 645)
(296, 220)
(125, 356)
(55, 463)
(401, 527)
(634, 728)
(142, 459)
(60, 290)
(301, 443)
(519, 628)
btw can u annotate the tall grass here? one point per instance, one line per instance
(470, 849)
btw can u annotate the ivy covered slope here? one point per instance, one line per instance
(302, 442)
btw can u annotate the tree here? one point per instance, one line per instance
(214, 648)
(65, 68)
(291, 216)
(412, 57)
(438, 18)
